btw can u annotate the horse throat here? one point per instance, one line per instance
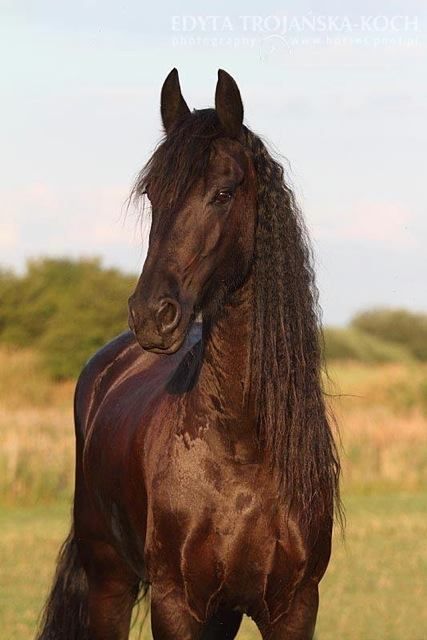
(223, 390)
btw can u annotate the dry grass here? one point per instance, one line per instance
(382, 416)
(36, 431)
(381, 411)
(36, 454)
(25, 383)
(384, 451)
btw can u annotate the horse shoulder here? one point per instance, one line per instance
(121, 368)
(98, 375)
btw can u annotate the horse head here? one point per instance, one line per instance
(201, 183)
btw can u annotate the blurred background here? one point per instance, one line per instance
(339, 93)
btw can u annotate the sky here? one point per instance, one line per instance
(338, 89)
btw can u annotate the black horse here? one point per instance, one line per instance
(205, 464)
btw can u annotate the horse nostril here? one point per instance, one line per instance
(168, 315)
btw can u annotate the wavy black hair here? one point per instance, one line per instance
(293, 421)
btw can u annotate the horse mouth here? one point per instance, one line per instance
(164, 350)
(166, 345)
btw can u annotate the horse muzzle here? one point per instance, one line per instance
(159, 326)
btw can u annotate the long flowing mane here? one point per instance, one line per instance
(293, 426)
(287, 358)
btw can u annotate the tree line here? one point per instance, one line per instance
(67, 309)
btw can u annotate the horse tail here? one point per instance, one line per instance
(65, 615)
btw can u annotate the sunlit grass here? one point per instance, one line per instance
(375, 587)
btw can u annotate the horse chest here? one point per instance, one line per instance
(217, 527)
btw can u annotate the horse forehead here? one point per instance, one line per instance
(228, 160)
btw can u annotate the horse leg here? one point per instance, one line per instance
(223, 626)
(112, 591)
(298, 623)
(171, 619)
(170, 616)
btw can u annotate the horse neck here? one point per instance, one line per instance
(223, 388)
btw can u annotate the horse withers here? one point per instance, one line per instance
(206, 470)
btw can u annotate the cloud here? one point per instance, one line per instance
(386, 224)
(9, 235)
(42, 220)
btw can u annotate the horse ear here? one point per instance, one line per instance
(228, 104)
(172, 105)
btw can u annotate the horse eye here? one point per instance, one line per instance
(223, 196)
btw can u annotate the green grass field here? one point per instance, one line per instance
(375, 587)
